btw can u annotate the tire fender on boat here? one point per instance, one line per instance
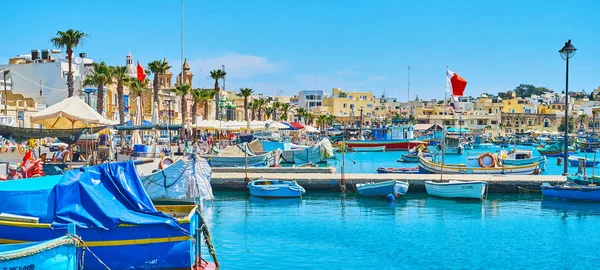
(165, 162)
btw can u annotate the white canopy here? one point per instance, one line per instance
(69, 113)
(228, 125)
(310, 129)
(274, 126)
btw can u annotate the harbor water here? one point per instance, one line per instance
(333, 231)
(368, 162)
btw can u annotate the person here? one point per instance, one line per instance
(12, 172)
(61, 153)
(103, 140)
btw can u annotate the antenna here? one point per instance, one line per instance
(408, 101)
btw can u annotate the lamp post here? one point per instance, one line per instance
(5, 93)
(460, 126)
(168, 125)
(567, 52)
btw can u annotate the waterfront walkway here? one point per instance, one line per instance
(330, 181)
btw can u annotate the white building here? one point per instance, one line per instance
(310, 99)
(45, 72)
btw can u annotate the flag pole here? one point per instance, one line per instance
(443, 123)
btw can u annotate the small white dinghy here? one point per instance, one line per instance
(382, 189)
(457, 189)
(275, 189)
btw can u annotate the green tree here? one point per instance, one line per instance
(246, 93)
(196, 99)
(285, 107)
(69, 39)
(253, 107)
(526, 90)
(157, 67)
(216, 75)
(301, 112)
(269, 112)
(261, 104)
(119, 75)
(276, 105)
(101, 76)
(591, 97)
(207, 96)
(321, 121)
(183, 90)
(561, 127)
(136, 89)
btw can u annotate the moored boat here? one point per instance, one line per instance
(234, 156)
(411, 157)
(275, 188)
(586, 162)
(369, 149)
(58, 253)
(518, 157)
(457, 189)
(390, 145)
(398, 170)
(429, 167)
(554, 150)
(382, 189)
(573, 192)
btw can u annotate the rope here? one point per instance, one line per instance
(36, 83)
(35, 250)
(208, 239)
(82, 244)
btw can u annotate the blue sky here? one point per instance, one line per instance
(358, 44)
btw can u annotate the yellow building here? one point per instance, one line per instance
(343, 103)
(518, 105)
(18, 102)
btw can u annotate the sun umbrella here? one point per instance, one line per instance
(69, 113)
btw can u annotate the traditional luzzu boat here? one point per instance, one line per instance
(572, 191)
(519, 157)
(555, 150)
(490, 166)
(401, 139)
(59, 253)
(233, 156)
(114, 216)
(383, 170)
(382, 189)
(185, 181)
(275, 188)
(369, 149)
(457, 189)
(414, 154)
(586, 162)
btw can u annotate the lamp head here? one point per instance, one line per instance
(568, 51)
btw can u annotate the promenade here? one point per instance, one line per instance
(331, 181)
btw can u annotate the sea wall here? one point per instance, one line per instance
(331, 181)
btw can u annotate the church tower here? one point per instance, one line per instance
(130, 69)
(164, 79)
(187, 74)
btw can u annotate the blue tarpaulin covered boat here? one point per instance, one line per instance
(113, 214)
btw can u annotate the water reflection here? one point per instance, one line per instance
(567, 209)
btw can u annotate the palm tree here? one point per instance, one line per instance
(330, 120)
(207, 96)
(261, 102)
(276, 105)
(581, 119)
(157, 67)
(118, 73)
(322, 121)
(310, 117)
(254, 107)
(246, 92)
(136, 89)
(69, 39)
(301, 112)
(217, 74)
(183, 90)
(100, 77)
(196, 98)
(285, 107)
(269, 111)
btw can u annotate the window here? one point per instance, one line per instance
(527, 111)
(350, 97)
(546, 122)
(494, 122)
(369, 106)
(345, 105)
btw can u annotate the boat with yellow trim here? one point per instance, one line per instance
(114, 216)
(429, 167)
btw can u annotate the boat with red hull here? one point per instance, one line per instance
(390, 145)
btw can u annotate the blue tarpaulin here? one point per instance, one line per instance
(101, 196)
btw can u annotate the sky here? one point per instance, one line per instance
(358, 45)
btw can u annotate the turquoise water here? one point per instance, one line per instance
(368, 162)
(331, 231)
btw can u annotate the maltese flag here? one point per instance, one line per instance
(457, 83)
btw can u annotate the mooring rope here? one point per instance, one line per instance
(208, 239)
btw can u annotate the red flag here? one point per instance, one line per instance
(458, 83)
(141, 73)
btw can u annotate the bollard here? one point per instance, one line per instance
(559, 161)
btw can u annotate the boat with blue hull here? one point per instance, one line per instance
(555, 150)
(275, 189)
(113, 214)
(572, 192)
(382, 189)
(519, 157)
(429, 167)
(59, 253)
(586, 162)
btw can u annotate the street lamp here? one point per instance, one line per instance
(567, 52)
(460, 126)
(5, 93)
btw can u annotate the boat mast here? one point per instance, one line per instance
(443, 123)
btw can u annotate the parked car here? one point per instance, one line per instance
(54, 146)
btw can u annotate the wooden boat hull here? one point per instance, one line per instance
(381, 189)
(263, 160)
(575, 192)
(574, 161)
(391, 145)
(483, 146)
(59, 253)
(276, 189)
(398, 170)
(369, 149)
(541, 160)
(412, 158)
(457, 189)
(157, 246)
(428, 167)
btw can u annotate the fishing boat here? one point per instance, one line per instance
(457, 189)
(398, 170)
(382, 189)
(480, 143)
(489, 167)
(187, 180)
(234, 156)
(369, 149)
(401, 138)
(453, 146)
(275, 188)
(554, 150)
(114, 217)
(57, 253)
(413, 157)
(314, 154)
(573, 192)
(518, 157)
(587, 162)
